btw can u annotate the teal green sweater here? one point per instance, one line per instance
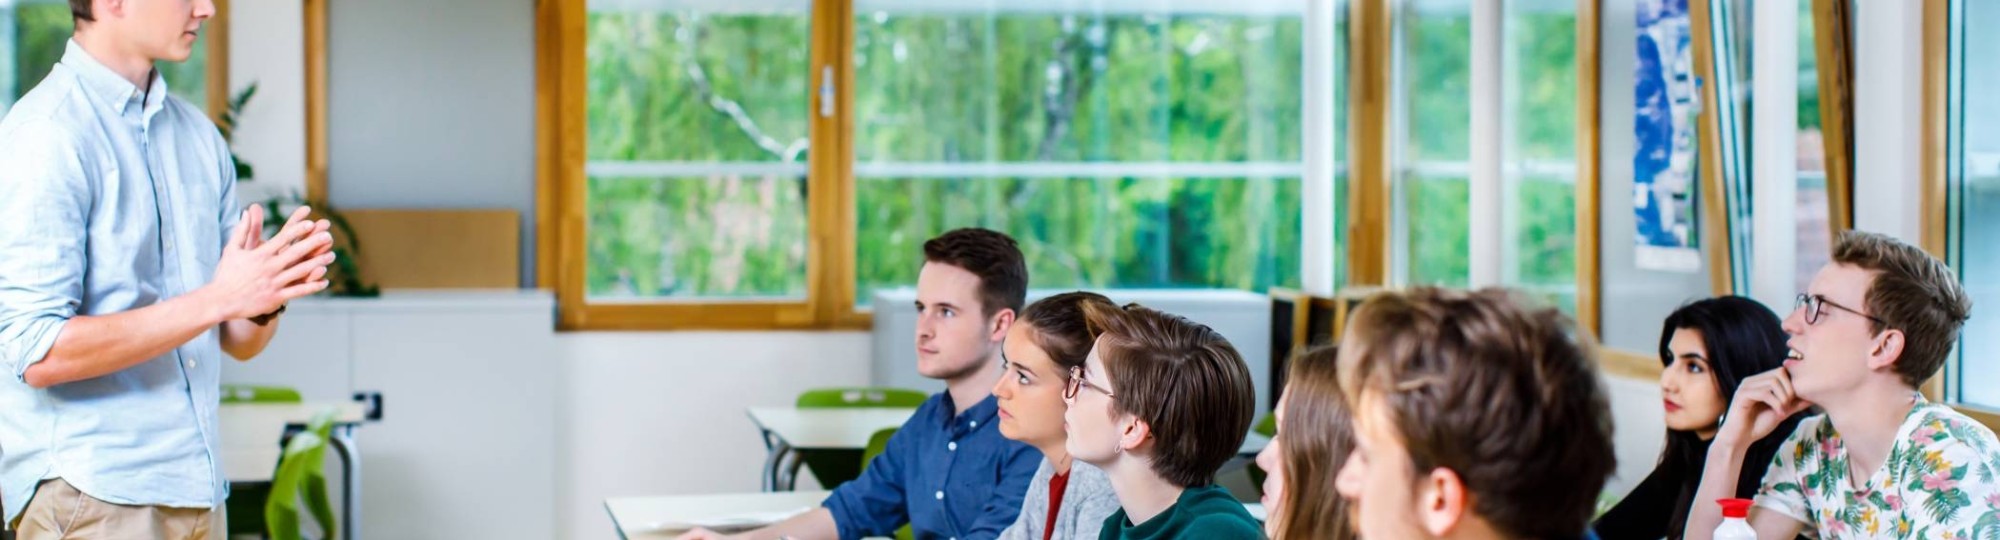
(1208, 512)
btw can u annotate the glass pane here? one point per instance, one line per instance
(1815, 232)
(1540, 152)
(1436, 79)
(697, 126)
(1977, 201)
(1125, 146)
(34, 33)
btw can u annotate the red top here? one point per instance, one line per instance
(1057, 484)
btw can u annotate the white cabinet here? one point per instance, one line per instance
(466, 445)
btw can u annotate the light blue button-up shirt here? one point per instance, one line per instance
(111, 199)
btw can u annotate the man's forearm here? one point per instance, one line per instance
(1718, 481)
(244, 340)
(816, 524)
(89, 347)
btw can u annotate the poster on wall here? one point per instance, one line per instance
(1663, 163)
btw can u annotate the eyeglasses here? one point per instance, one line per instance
(1815, 306)
(1076, 384)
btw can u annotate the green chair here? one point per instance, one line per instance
(832, 467)
(831, 398)
(302, 475)
(1267, 427)
(243, 393)
(247, 499)
(876, 444)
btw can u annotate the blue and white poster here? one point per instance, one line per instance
(1663, 165)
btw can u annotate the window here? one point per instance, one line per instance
(1815, 230)
(1540, 93)
(34, 33)
(697, 141)
(1973, 196)
(1538, 172)
(774, 163)
(1124, 144)
(1435, 82)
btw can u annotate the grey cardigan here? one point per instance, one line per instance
(1087, 501)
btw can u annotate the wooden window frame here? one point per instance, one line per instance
(831, 294)
(561, 133)
(1934, 175)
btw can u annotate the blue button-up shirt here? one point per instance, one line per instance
(948, 476)
(112, 198)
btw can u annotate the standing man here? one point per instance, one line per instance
(126, 270)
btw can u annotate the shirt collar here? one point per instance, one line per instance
(110, 89)
(978, 415)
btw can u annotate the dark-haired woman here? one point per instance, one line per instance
(1708, 346)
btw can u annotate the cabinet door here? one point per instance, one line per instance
(310, 353)
(466, 445)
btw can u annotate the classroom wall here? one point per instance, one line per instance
(662, 413)
(431, 104)
(1634, 300)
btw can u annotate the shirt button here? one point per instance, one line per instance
(975, 423)
(940, 495)
(190, 363)
(952, 446)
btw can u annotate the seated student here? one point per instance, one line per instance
(1068, 498)
(1168, 402)
(1315, 435)
(1708, 347)
(947, 472)
(1475, 417)
(1883, 462)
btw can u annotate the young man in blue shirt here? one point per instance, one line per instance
(948, 472)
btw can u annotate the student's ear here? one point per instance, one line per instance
(1134, 433)
(1002, 321)
(100, 8)
(1442, 502)
(1887, 349)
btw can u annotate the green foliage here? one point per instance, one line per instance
(42, 32)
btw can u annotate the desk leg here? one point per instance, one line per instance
(774, 458)
(350, 477)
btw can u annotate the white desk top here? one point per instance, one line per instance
(251, 432)
(850, 428)
(667, 517)
(828, 429)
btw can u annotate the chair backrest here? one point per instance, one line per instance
(243, 393)
(302, 475)
(1268, 427)
(832, 398)
(876, 444)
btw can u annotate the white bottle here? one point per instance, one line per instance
(1735, 522)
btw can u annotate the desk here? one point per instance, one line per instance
(667, 517)
(788, 429)
(251, 445)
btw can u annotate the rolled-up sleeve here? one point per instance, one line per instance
(873, 504)
(45, 199)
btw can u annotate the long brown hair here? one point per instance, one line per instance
(1313, 443)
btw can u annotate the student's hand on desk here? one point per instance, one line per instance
(704, 534)
(255, 276)
(1762, 402)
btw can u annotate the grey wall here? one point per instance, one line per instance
(1635, 301)
(431, 104)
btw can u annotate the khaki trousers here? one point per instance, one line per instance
(59, 511)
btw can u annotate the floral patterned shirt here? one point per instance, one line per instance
(1941, 481)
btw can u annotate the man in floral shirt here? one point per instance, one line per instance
(1883, 462)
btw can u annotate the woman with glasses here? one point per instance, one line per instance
(1067, 498)
(1709, 347)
